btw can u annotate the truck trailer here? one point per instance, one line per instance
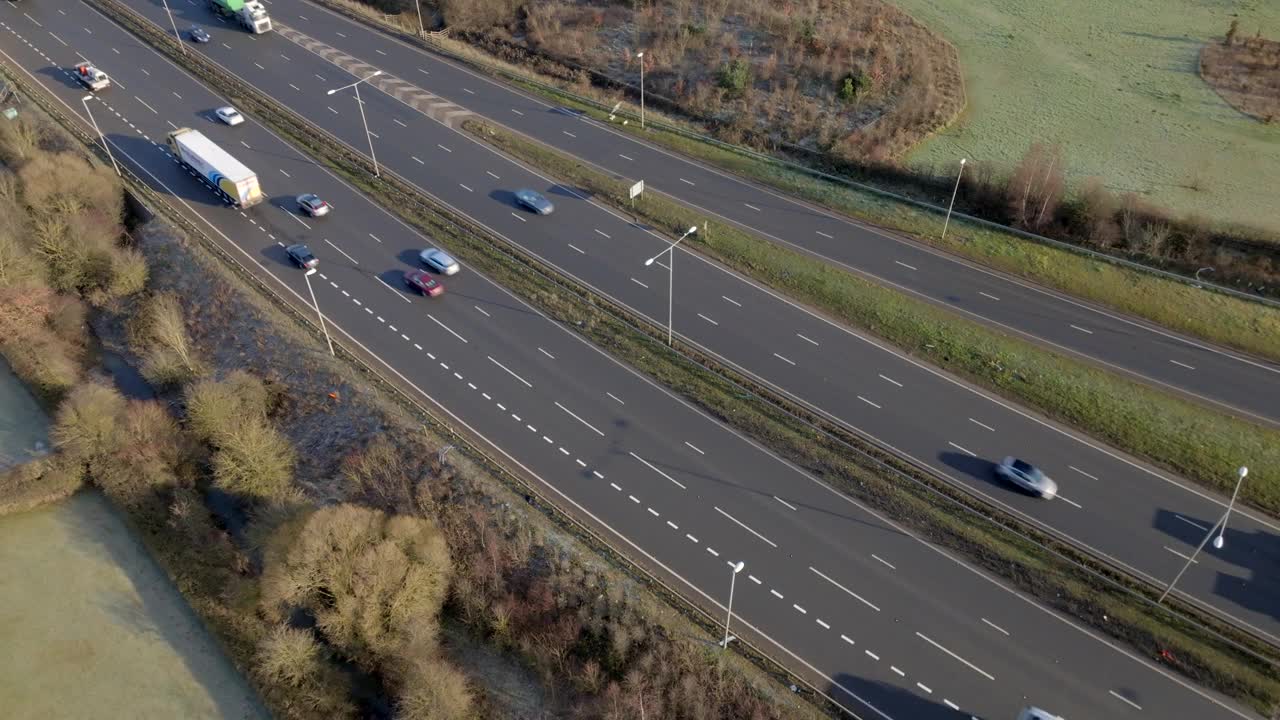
(251, 14)
(237, 183)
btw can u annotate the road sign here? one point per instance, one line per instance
(637, 189)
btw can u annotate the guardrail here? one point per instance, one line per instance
(323, 145)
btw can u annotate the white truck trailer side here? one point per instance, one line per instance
(236, 182)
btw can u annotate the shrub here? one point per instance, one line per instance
(20, 140)
(39, 482)
(160, 332)
(215, 408)
(151, 451)
(254, 461)
(852, 86)
(88, 424)
(292, 657)
(735, 76)
(432, 689)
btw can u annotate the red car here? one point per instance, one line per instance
(421, 281)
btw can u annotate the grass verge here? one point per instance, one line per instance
(881, 481)
(1192, 440)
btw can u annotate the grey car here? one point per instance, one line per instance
(1027, 477)
(312, 205)
(535, 201)
(440, 261)
(301, 256)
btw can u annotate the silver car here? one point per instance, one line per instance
(440, 261)
(229, 115)
(535, 201)
(1027, 477)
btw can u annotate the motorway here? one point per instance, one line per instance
(894, 627)
(1121, 508)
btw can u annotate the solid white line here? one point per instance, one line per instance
(744, 527)
(704, 317)
(615, 397)
(868, 402)
(783, 359)
(753, 207)
(847, 590)
(1184, 557)
(967, 452)
(735, 302)
(1091, 477)
(1181, 364)
(1125, 699)
(575, 417)
(997, 627)
(988, 295)
(784, 502)
(883, 561)
(544, 352)
(1191, 523)
(144, 104)
(895, 382)
(575, 247)
(1070, 502)
(357, 262)
(815, 342)
(973, 667)
(909, 267)
(504, 367)
(651, 467)
(695, 447)
(830, 237)
(639, 283)
(982, 425)
(446, 327)
(1086, 332)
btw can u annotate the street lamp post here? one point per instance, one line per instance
(732, 578)
(671, 276)
(85, 101)
(641, 56)
(360, 103)
(176, 35)
(1220, 527)
(422, 31)
(953, 198)
(307, 276)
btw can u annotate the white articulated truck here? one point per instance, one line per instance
(251, 14)
(237, 183)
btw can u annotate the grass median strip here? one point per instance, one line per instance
(1183, 436)
(866, 475)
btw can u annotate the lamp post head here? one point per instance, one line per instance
(1218, 542)
(1242, 472)
(332, 91)
(648, 262)
(310, 272)
(692, 230)
(376, 73)
(963, 161)
(738, 568)
(640, 54)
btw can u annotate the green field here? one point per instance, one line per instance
(1116, 84)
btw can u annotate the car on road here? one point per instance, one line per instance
(1035, 713)
(1027, 477)
(535, 201)
(440, 261)
(198, 35)
(229, 115)
(422, 281)
(312, 205)
(301, 256)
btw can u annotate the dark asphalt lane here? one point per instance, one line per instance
(823, 575)
(1136, 515)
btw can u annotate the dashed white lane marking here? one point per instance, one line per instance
(691, 538)
(575, 247)
(464, 187)
(615, 397)
(175, 127)
(775, 593)
(971, 666)
(823, 624)
(651, 467)
(259, 66)
(924, 687)
(895, 382)
(398, 123)
(1192, 523)
(176, 94)
(598, 475)
(673, 525)
(516, 111)
(799, 609)
(789, 362)
(869, 402)
(753, 207)
(745, 527)
(695, 447)
(963, 450)
(490, 174)
(145, 105)
(379, 51)
(392, 290)
(754, 579)
(1071, 502)
(417, 159)
(1182, 364)
(784, 502)
(802, 337)
(997, 627)
(624, 157)
(846, 639)
(871, 655)
(982, 425)
(605, 234)
(512, 374)
(633, 499)
(518, 217)
(563, 451)
(55, 37)
(544, 352)
(416, 345)
(883, 561)
(443, 148)
(1125, 700)
(646, 287)
(988, 295)
(424, 72)
(1083, 330)
(704, 317)
(652, 512)
(909, 267)
(825, 235)
(282, 172)
(1184, 557)
(713, 552)
(575, 417)
(735, 302)
(1091, 477)
(295, 87)
(357, 262)
(566, 132)
(446, 327)
(896, 670)
(851, 593)
(951, 705)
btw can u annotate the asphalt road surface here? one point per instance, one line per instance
(1138, 516)
(894, 627)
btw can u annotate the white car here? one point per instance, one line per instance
(229, 115)
(439, 260)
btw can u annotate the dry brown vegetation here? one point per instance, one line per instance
(856, 79)
(1245, 72)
